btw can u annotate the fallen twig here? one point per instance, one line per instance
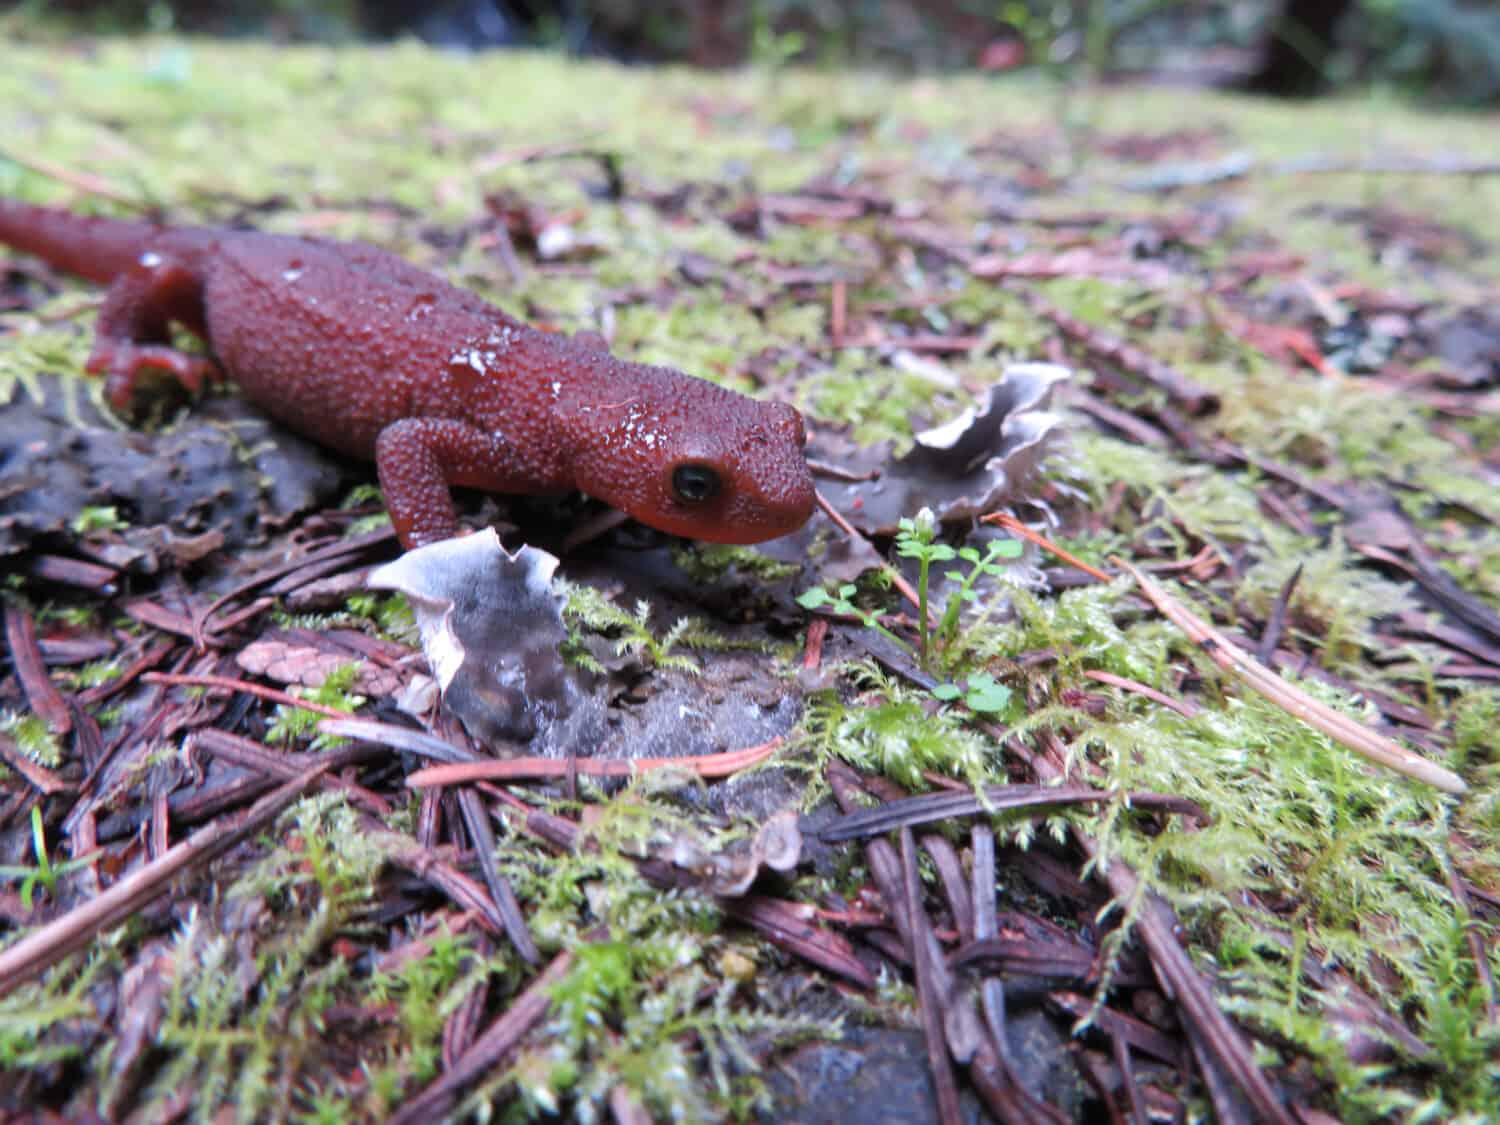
(1194, 397)
(48, 944)
(203, 624)
(1265, 652)
(784, 924)
(1356, 736)
(398, 738)
(248, 754)
(1159, 929)
(477, 821)
(426, 864)
(779, 922)
(82, 181)
(933, 989)
(1016, 527)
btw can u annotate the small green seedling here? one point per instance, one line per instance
(980, 694)
(45, 872)
(841, 602)
(918, 540)
(98, 517)
(936, 642)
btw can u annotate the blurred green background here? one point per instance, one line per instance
(1438, 50)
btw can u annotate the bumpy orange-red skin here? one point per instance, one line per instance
(371, 356)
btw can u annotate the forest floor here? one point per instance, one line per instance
(1197, 816)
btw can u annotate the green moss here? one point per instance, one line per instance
(391, 614)
(95, 673)
(882, 408)
(240, 1019)
(632, 1002)
(30, 1013)
(33, 347)
(898, 733)
(708, 338)
(1293, 818)
(32, 737)
(713, 561)
(590, 609)
(427, 989)
(294, 723)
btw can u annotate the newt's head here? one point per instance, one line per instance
(691, 458)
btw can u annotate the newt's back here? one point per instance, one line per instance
(334, 339)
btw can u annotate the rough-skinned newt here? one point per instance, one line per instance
(378, 359)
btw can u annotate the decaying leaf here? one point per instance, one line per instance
(491, 627)
(983, 459)
(224, 476)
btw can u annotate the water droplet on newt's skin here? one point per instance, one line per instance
(150, 259)
(469, 357)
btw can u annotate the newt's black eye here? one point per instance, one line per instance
(695, 483)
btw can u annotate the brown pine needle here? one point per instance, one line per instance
(225, 683)
(1016, 527)
(898, 579)
(1181, 706)
(81, 181)
(517, 769)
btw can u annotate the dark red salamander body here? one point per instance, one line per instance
(369, 355)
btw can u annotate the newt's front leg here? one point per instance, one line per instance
(133, 333)
(418, 458)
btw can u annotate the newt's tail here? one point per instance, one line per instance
(98, 249)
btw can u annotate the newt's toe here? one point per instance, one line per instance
(121, 363)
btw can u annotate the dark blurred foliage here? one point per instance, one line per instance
(1295, 58)
(1441, 49)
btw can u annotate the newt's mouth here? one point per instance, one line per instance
(740, 520)
(751, 518)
